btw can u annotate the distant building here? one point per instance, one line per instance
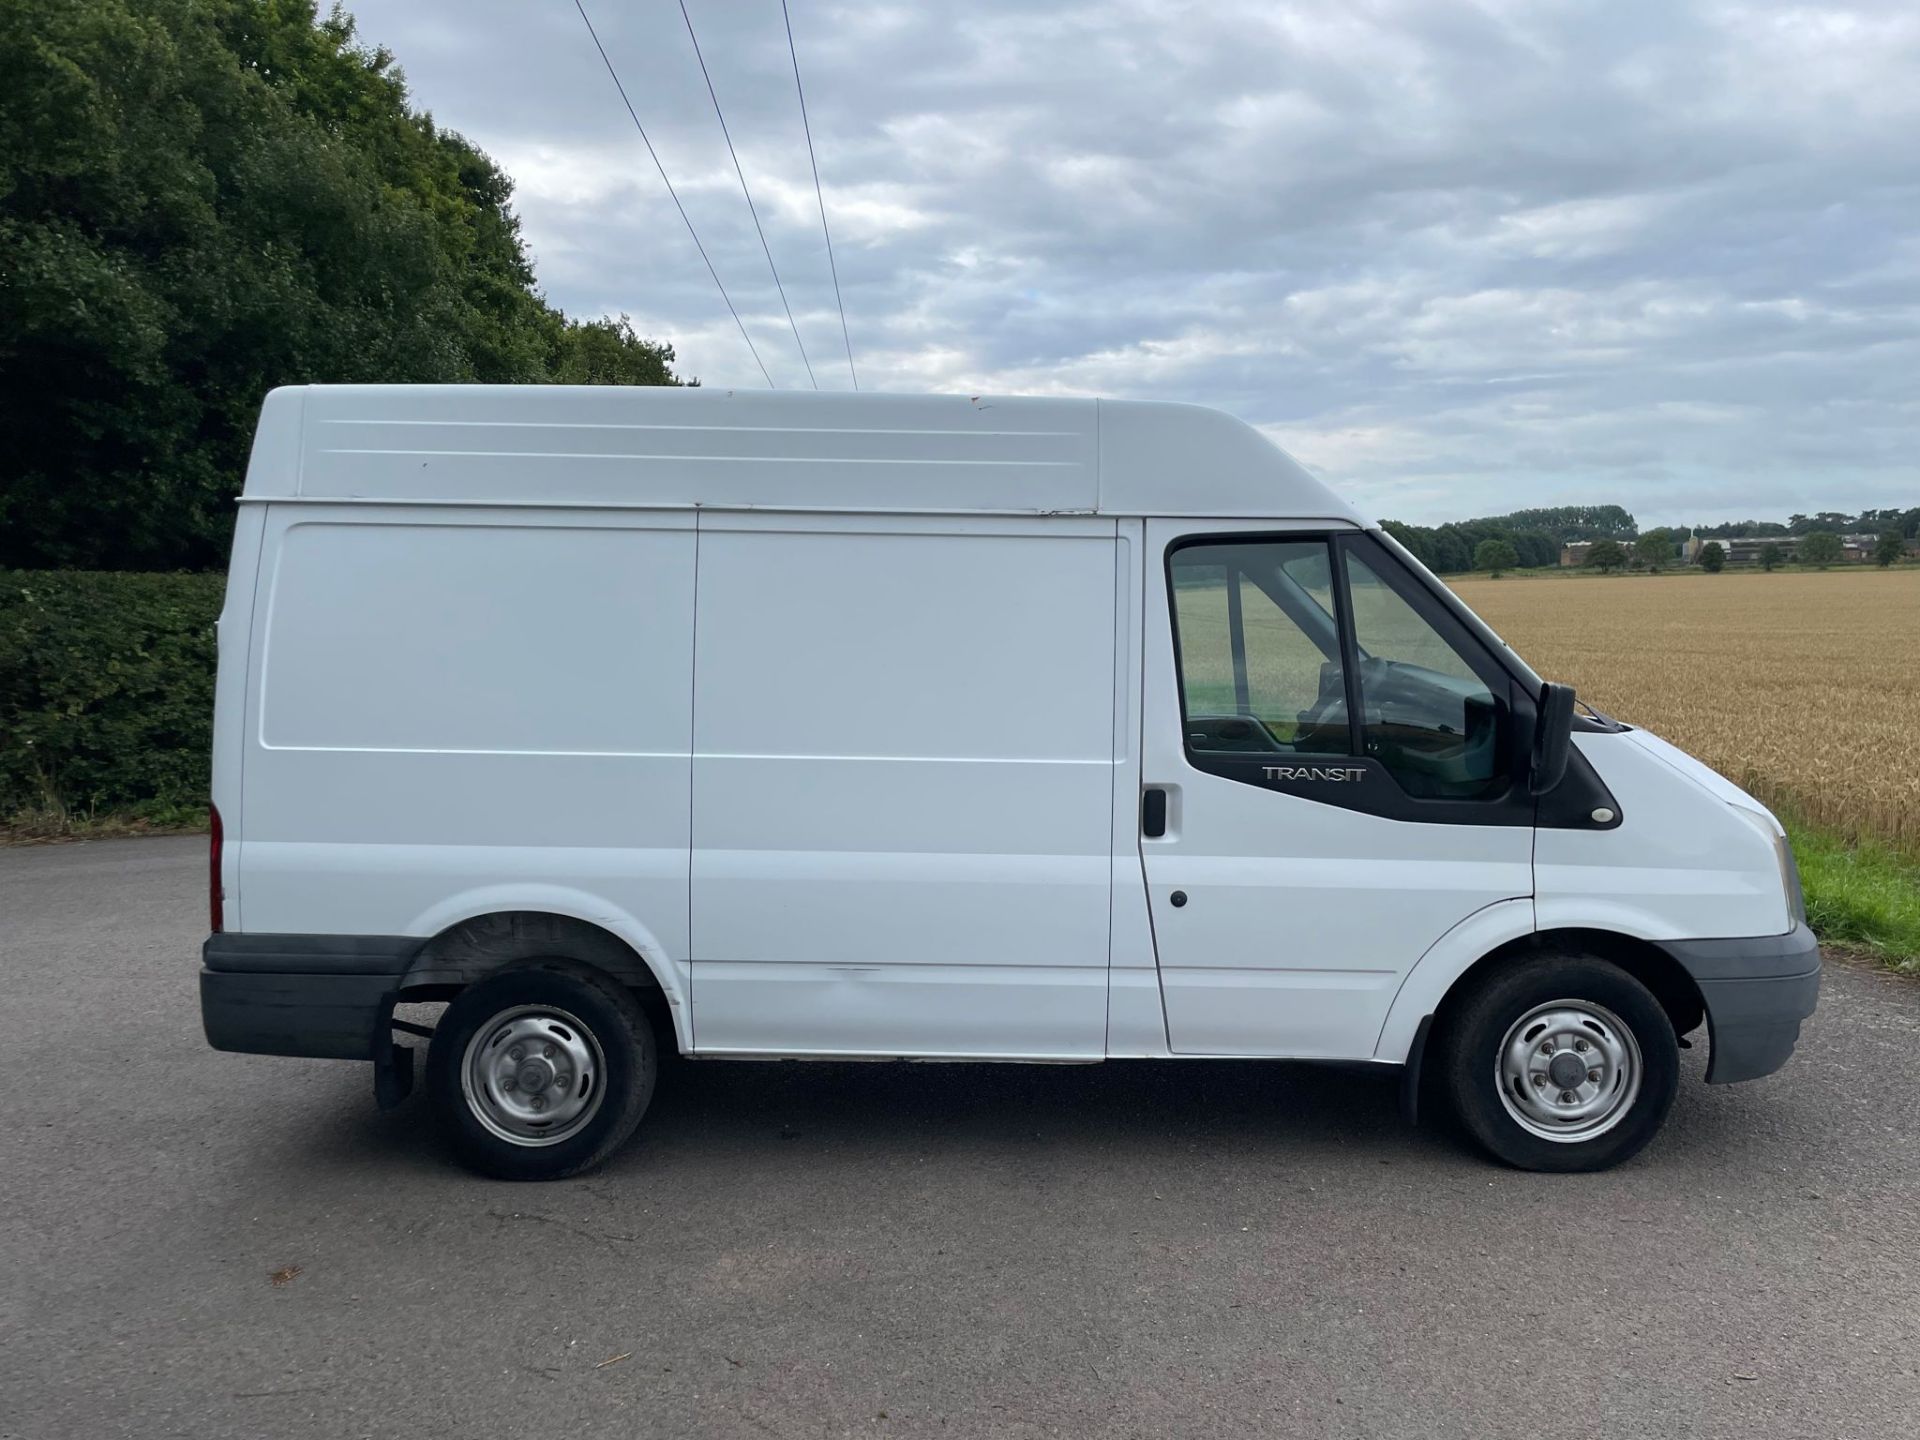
(1742, 549)
(1745, 549)
(1573, 553)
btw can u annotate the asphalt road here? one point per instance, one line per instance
(792, 1250)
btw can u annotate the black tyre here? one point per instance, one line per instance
(1561, 1063)
(541, 1071)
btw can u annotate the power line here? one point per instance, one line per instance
(751, 210)
(818, 194)
(674, 194)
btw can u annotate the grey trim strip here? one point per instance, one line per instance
(1756, 1023)
(327, 1017)
(1756, 990)
(1757, 957)
(310, 954)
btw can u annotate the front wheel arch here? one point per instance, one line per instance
(1646, 962)
(1618, 1093)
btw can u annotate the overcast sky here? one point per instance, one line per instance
(1458, 258)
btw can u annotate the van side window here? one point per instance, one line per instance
(1424, 712)
(1259, 648)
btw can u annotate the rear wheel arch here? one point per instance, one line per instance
(482, 946)
(541, 1070)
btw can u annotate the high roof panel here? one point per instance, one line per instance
(734, 449)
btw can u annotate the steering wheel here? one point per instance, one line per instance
(1230, 734)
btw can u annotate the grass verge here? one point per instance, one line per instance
(47, 827)
(1860, 893)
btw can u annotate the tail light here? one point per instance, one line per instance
(216, 901)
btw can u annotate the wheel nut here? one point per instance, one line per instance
(1566, 1097)
(1581, 1046)
(516, 1054)
(1546, 1047)
(1540, 1082)
(1594, 1076)
(539, 1102)
(507, 1084)
(549, 1052)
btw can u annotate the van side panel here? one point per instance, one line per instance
(453, 713)
(902, 789)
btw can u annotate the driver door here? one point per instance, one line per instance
(1343, 784)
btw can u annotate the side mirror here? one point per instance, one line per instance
(1552, 737)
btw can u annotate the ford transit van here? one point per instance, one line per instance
(815, 726)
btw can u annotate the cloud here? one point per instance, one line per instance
(1457, 258)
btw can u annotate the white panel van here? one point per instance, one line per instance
(850, 726)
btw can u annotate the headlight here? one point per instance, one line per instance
(1783, 857)
(1790, 877)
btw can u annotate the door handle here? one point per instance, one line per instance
(1153, 813)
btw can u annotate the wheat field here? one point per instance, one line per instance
(1802, 687)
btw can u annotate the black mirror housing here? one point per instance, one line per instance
(1552, 737)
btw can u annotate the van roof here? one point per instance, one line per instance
(678, 447)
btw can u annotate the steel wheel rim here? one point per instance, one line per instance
(533, 1075)
(1534, 1070)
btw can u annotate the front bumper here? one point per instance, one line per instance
(1757, 991)
(325, 996)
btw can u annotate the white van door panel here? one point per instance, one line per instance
(902, 792)
(1298, 920)
(476, 704)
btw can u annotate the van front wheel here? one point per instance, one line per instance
(1563, 1063)
(541, 1071)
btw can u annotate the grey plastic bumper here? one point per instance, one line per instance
(327, 996)
(1757, 991)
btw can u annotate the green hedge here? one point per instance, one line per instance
(106, 694)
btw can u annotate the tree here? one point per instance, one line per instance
(1569, 522)
(1606, 555)
(1822, 548)
(200, 200)
(1493, 556)
(1713, 557)
(1416, 538)
(1654, 549)
(608, 352)
(1890, 549)
(1770, 558)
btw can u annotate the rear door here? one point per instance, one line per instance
(1342, 766)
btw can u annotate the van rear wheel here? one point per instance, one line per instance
(541, 1071)
(1561, 1063)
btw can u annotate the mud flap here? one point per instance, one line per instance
(392, 1064)
(1410, 1073)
